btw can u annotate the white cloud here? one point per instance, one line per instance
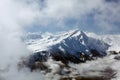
(109, 16)
(15, 15)
(57, 10)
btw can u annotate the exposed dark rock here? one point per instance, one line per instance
(113, 52)
(107, 74)
(95, 53)
(59, 56)
(119, 52)
(39, 65)
(117, 57)
(84, 78)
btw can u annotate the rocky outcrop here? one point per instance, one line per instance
(117, 57)
(113, 52)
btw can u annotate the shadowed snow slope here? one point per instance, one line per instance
(112, 40)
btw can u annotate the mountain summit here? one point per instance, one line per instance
(72, 46)
(72, 42)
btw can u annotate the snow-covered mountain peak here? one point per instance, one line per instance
(72, 42)
(74, 33)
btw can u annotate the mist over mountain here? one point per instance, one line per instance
(50, 39)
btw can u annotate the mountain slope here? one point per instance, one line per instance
(112, 40)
